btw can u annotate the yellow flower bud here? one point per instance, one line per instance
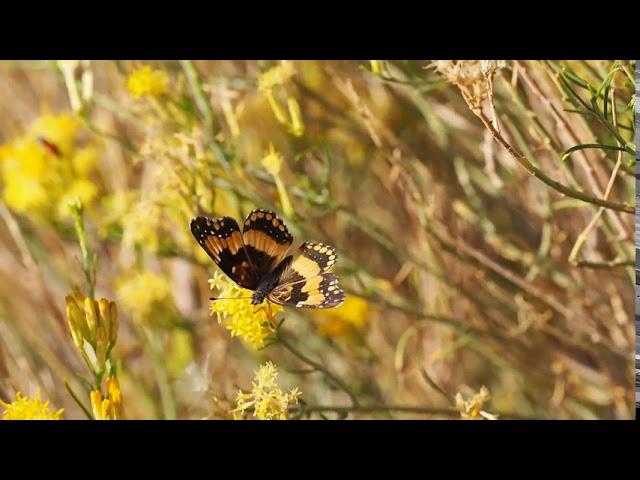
(76, 318)
(113, 387)
(297, 127)
(103, 308)
(105, 409)
(109, 407)
(102, 345)
(96, 404)
(272, 161)
(91, 315)
(94, 328)
(114, 324)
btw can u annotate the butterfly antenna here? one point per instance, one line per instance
(229, 298)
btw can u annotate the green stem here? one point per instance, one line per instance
(88, 260)
(205, 109)
(77, 400)
(162, 378)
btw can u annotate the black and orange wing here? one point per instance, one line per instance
(266, 240)
(305, 283)
(222, 240)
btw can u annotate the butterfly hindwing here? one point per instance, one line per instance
(305, 283)
(266, 240)
(321, 291)
(222, 240)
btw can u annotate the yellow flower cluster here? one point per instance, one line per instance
(94, 328)
(145, 292)
(23, 408)
(471, 409)
(241, 318)
(267, 400)
(42, 171)
(145, 81)
(110, 407)
(346, 319)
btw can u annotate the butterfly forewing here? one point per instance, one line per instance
(266, 240)
(222, 240)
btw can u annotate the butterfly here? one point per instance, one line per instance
(256, 259)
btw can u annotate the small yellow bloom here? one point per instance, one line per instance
(84, 160)
(278, 75)
(471, 409)
(144, 293)
(94, 328)
(145, 81)
(23, 408)
(272, 163)
(376, 66)
(267, 400)
(253, 324)
(109, 407)
(346, 319)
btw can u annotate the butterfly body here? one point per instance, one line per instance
(266, 286)
(255, 259)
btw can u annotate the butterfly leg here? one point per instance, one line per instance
(268, 313)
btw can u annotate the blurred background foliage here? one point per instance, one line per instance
(481, 211)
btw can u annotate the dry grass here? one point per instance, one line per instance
(482, 254)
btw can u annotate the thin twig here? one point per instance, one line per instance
(540, 175)
(582, 238)
(335, 380)
(374, 408)
(449, 411)
(77, 400)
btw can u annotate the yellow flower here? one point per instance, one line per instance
(145, 292)
(277, 75)
(84, 160)
(471, 409)
(94, 328)
(23, 408)
(24, 193)
(109, 407)
(267, 400)
(145, 81)
(376, 66)
(81, 189)
(253, 324)
(41, 171)
(346, 319)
